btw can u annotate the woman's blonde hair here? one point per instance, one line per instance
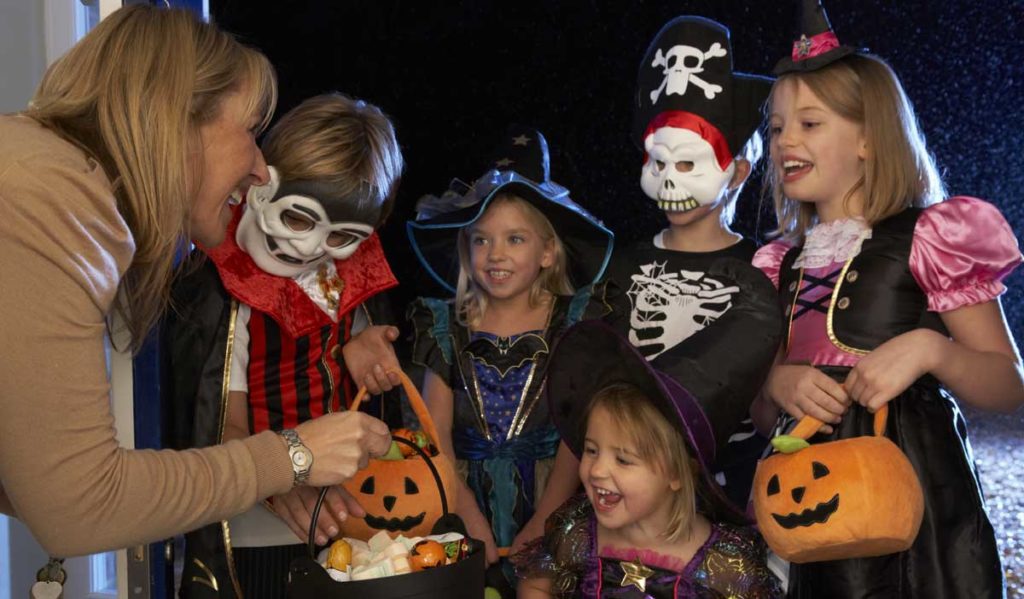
(132, 94)
(899, 172)
(658, 443)
(471, 301)
(336, 139)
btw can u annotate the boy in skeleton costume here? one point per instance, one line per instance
(281, 308)
(697, 309)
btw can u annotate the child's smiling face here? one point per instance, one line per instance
(818, 154)
(507, 252)
(629, 495)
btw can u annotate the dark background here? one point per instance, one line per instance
(454, 74)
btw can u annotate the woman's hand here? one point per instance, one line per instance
(531, 530)
(804, 390)
(371, 360)
(892, 367)
(342, 444)
(296, 507)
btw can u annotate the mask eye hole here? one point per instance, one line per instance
(659, 165)
(819, 470)
(684, 166)
(296, 222)
(340, 239)
(773, 485)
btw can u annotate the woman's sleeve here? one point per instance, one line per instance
(963, 248)
(63, 249)
(769, 259)
(432, 345)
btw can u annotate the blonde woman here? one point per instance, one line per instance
(135, 141)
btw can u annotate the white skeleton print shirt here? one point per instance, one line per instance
(670, 294)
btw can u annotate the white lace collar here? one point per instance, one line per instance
(836, 241)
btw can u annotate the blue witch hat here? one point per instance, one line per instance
(520, 167)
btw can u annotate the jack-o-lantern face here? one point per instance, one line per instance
(851, 498)
(383, 522)
(399, 496)
(810, 515)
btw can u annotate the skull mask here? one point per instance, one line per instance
(682, 172)
(293, 227)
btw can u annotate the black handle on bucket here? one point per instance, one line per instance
(323, 493)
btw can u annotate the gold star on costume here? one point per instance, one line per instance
(521, 140)
(505, 162)
(636, 574)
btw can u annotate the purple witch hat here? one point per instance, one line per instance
(817, 45)
(591, 356)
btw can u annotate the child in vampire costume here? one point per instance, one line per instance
(697, 308)
(256, 339)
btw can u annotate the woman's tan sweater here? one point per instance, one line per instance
(63, 249)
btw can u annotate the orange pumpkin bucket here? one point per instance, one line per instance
(843, 499)
(400, 495)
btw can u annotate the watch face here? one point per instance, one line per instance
(301, 458)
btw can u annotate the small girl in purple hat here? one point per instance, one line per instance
(652, 522)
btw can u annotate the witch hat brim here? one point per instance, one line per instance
(588, 243)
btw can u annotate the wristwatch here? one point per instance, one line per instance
(301, 456)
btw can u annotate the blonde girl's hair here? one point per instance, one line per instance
(342, 141)
(471, 301)
(899, 172)
(132, 95)
(657, 443)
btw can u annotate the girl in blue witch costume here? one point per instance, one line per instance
(893, 300)
(521, 245)
(653, 522)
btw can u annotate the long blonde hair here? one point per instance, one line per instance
(132, 95)
(338, 140)
(899, 172)
(471, 301)
(657, 443)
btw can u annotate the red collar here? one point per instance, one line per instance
(365, 273)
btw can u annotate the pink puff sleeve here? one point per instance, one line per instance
(769, 259)
(963, 248)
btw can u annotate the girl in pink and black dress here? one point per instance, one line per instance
(892, 298)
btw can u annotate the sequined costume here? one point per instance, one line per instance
(851, 288)
(730, 563)
(501, 430)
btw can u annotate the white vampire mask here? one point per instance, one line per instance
(681, 172)
(293, 228)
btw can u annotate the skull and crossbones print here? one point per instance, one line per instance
(681, 65)
(669, 307)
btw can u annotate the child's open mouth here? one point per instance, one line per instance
(605, 500)
(499, 275)
(794, 169)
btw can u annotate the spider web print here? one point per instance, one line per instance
(669, 307)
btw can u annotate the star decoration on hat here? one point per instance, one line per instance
(636, 574)
(520, 140)
(504, 162)
(803, 46)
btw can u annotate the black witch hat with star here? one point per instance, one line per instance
(520, 165)
(686, 80)
(817, 45)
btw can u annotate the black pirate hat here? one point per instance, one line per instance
(686, 80)
(520, 165)
(817, 45)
